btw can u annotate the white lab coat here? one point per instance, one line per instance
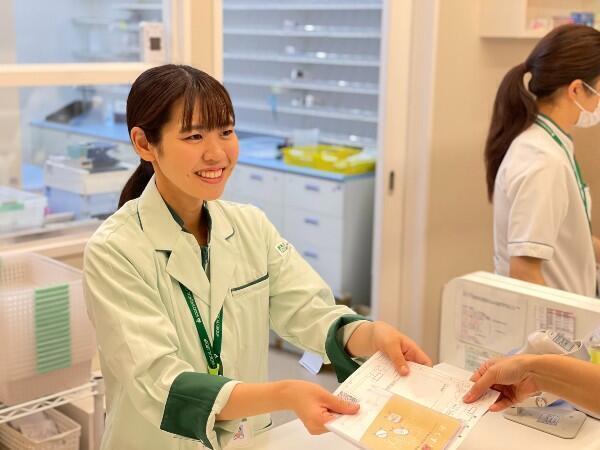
(539, 212)
(159, 395)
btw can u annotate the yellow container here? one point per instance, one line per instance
(595, 353)
(330, 158)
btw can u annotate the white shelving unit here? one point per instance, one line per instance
(322, 58)
(113, 35)
(333, 113)
(271, 5)
(308, 31)
(528, 19)
(293, 65)
(351, 140)
(341, 86)
(94, 388)
(138, 6)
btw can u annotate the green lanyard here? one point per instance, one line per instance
(574, 164)
(211, 352)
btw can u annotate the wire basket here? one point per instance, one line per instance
(66, 439)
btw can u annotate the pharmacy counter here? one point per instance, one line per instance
(493, 432)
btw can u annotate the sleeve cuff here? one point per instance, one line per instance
(532, 249)
(344, 332)
(342, 362)
(193, 402)
(225, 429)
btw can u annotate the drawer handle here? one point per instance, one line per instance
(311, 221)
(312, 187)
(311, 255)
(256, 177)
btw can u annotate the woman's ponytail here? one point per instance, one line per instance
(569, 52)
(515, 110)
(137, 182)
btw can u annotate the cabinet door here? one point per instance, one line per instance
(313, 227)
(273, 211)
(259, 184)
(323, 196)
(327, 263)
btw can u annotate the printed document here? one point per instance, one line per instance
(421, 411)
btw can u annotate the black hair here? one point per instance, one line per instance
(150, 104)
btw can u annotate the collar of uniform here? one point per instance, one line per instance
(179, 220)
(565, 137)
(156, 220)
(163, 227)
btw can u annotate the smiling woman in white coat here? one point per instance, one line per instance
(542, 206)
(183, 288)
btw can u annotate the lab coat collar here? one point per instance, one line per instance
(155, 219)
(566, 139)
(184, 260)
(162, 229)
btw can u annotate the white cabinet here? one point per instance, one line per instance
(329, 221)
(260, 187)
(314, 227)
(323, 195)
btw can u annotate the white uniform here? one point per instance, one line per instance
(539, 211)
(155, 370)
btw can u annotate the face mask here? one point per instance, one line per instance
(586, 118)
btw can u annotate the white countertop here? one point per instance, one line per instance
(493, 432)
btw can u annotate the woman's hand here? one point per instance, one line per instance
(371, 337)
(510, 376)
(315, 406)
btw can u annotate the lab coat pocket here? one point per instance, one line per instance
(249, 306)
(251, 286)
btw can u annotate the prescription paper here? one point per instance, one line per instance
(376, 380)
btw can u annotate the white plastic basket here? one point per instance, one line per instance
(20, 209)
(67, 439)
(21, 379)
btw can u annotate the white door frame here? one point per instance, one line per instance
(407, 77)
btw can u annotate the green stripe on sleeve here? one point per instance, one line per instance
(342, 362)
(190, 403)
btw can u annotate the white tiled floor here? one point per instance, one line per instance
(284, 365)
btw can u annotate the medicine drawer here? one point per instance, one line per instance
(260, 184)
(327, 263)
(313, 227)
(322, 195)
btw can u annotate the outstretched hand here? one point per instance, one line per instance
(509, 376)
(380, 336)
(315, 406)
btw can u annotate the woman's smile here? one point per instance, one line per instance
(211, 176)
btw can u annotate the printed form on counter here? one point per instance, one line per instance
(421, 411)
